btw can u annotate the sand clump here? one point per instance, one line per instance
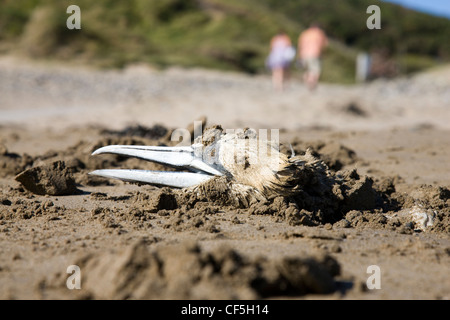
(53, 179)
(12, 163)
(137, 273)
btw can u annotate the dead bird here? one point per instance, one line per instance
(247, 167)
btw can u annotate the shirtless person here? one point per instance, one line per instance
(311, 42)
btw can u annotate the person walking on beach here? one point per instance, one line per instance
(311, 43)
(281, 55)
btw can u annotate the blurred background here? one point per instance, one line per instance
(226, 34)
(174, 61)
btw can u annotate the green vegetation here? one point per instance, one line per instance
(221, 34)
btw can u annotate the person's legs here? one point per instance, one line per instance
(278, 78)
(312, 80)
(312, 74)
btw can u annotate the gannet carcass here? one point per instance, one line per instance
(253, 168)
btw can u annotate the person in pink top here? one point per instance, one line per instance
(281, 55)
(311, 43)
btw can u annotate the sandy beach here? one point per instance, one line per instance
(387, 140)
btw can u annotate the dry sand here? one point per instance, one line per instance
(389, 141)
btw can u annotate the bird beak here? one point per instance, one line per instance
(181, 157)
(160, 178)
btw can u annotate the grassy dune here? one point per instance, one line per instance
(220, 34)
